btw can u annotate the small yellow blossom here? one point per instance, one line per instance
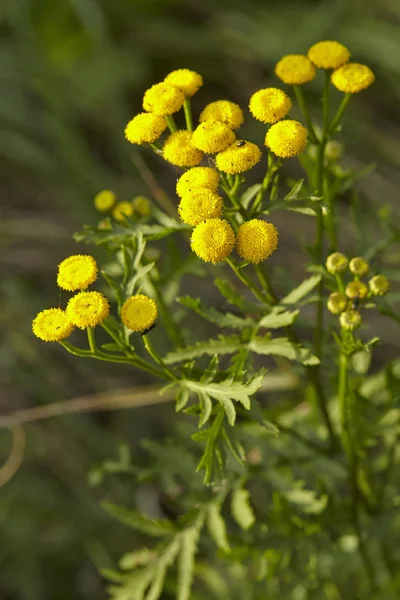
(87, 309)
(270, 105)
(200, 204)
(358, 266)
(198, 177)
(213, 136)
(379, 285)
(350, 320)
(337, 302)
(76, 272)
(213, 240)
(141, 205)
(241, 156)
(104, 200)
(295, 69)
(145, 128)
(286, 138)
(163, 99)
(139, 312)
(179, 150)
(328, 54)
(223, 110)
(256, 240)
(123, 210)
(352, 78)
(184, 79)
(52, 325)
(336, 262)
(356, 289)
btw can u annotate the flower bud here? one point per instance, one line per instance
(337, 303)
(379, 285)
(336, 262)
(350, 320)
(334, 150)
(356, 289)
(358, 266)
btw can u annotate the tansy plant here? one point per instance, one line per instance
(293, 496)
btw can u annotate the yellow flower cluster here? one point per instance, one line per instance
(286, 138)
(239, 157)
(200, 204)
(225, 111)
(270, 105)
(138, 313)
(180, 151)
(256, 240)
(213, 136)
(106, 200)
(198, 177)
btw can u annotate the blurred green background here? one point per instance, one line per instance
(73, 73)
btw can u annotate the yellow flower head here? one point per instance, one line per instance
(337, 302)
(141, 205)
(200, 204)
(163, 99)
(295, 69)
(241, 156)
(184, 79)
(352, 78)
(379, 285)
(87, 309)
(145, 128)
(198, 177)
(256, 240)
(123, 210)
(213, 240)
(328, 55)
(336, 262)
(223, 110)
(179, 150)
(213, 136)
(358, 266)
(104, 200)
(76, 272)
(286, 138)
(350, 320)
(138, 313)
(52, 325)
(270, 105)
(356, 289)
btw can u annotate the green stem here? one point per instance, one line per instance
(171, 123)
(315, 378)
(156, 148)
(188, 114)
(344, 407)
(157, 358)
(338, 116)
(266, 284)
(91, 340)
(325, 101)
(246, 280)
(362, 546)
(303, 107)
(272, 168)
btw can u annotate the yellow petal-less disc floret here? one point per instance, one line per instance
(336, 263)
(213, 136)
(328, 54)
(270, 105)
(337, 302)
(356, 289)
(139, 312)
(241, 156)
(76, 272)
(198, 205)
(198, 177)
(352, 78)
(286, 138)
(295, 69)
(145, 128)
(350, 320)
(213, 240)
(358, 266)
(163, 99)
(223, 110)
(104, 200)
(123, 210)
(256, 240)
(141, 205)
(179, 150)
(184, 79)
(87, 309)
(52, 325)
(379, 285)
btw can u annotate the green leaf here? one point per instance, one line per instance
(182, 399)
(241, 509)
(302, 290)
(221, 345)
(112, 347)
(222, 319)
(141, 272)
(165, 560)
(249, 194)
(216, 527)
(206, 408)
(283, 347)
(139, 521)
(232, 296)
(229, 407)
(278, 318)
(186, 564)
(294, 192)
(137, 558)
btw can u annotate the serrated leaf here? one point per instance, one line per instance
(221, 345)
(249, 194)
(201, 436)
(241, 509)
(165, 560)
(229, 407)
(283, 347)
(294, 192)
(232, 296)
(182, 399)
(190, 538)
(276, 319)
(141, 272)
(302, 290)
(211, 314)
(212, 369)
(206, 408)
(217, 528)
(236, 449)
(139, 521)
